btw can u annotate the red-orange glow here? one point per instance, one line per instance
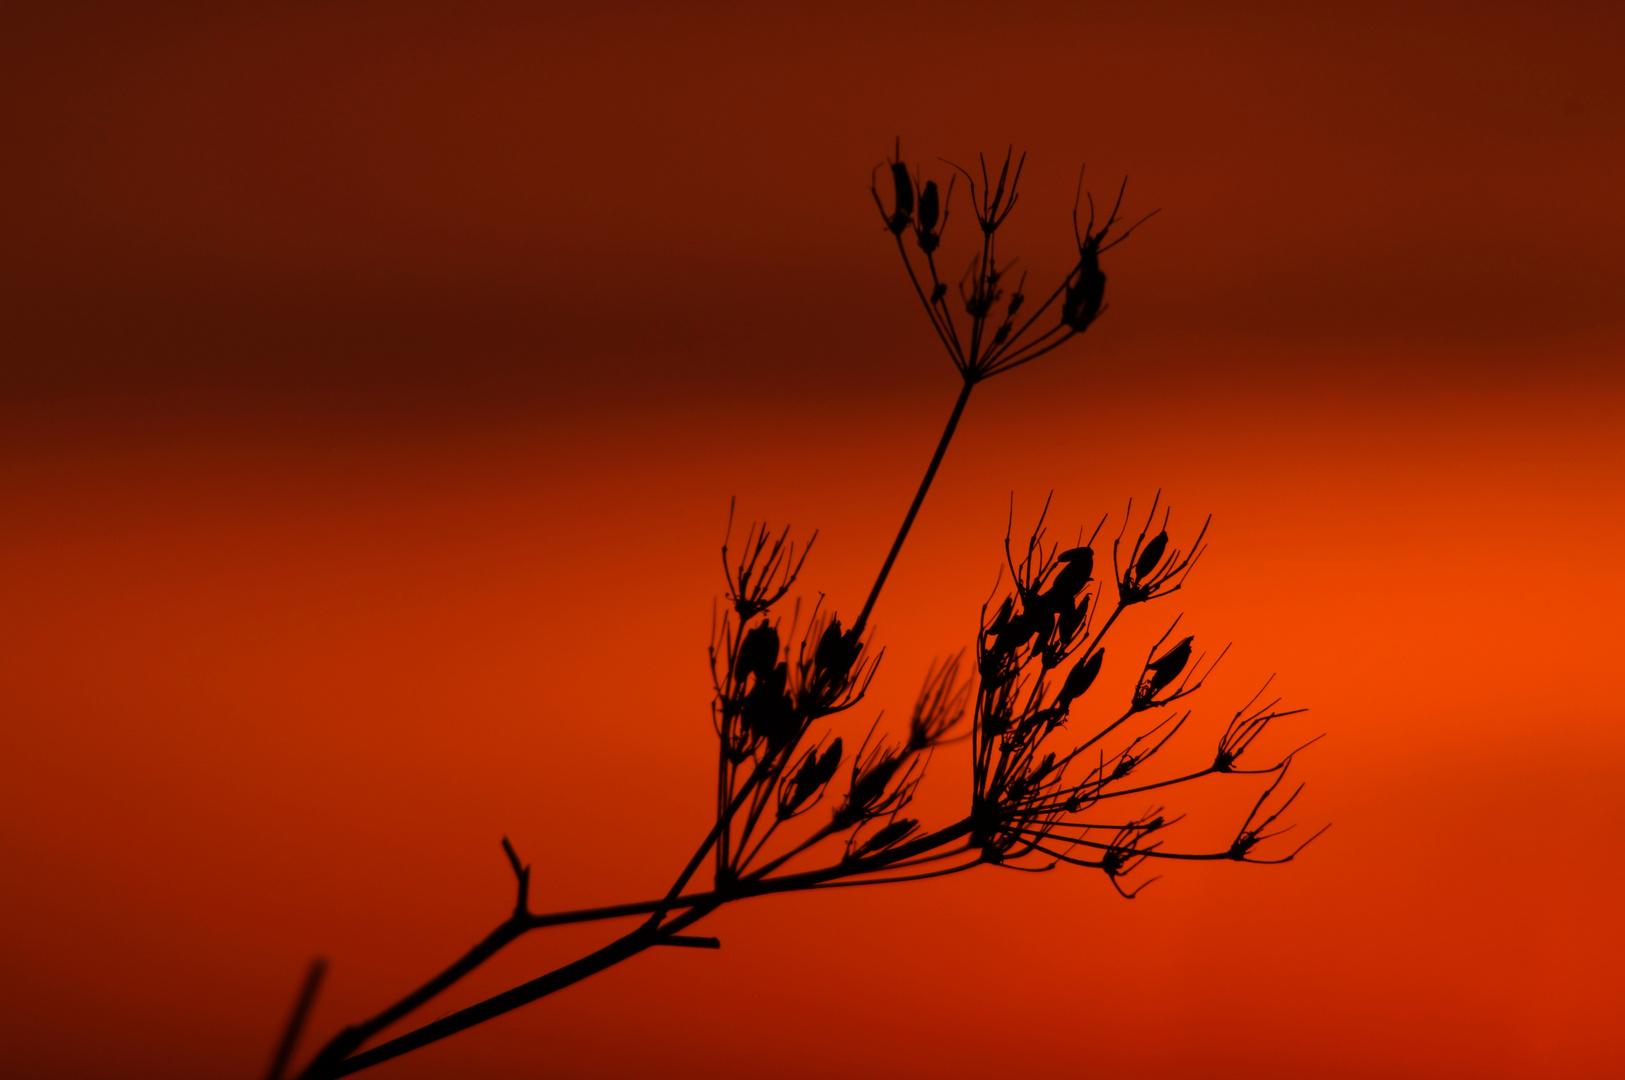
(376, 380)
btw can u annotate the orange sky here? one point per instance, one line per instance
(375, 379)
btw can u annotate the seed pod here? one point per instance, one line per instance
(1152, 555)
(829, 761)
(801, 786)
(903, 211)
(1075, 573)
(928, 206)
(1016, 632)
(815, 771)
(889, 835)
(768, 712)
(1166, 668)
(1045, 623)
(1002, 619)
(870, 785)
(1071, 619)
(835, 654)
(1085, 292)
(1081, 677)
(758, 652)
(1085, 555)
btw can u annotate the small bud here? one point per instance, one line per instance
(1152, 555)
(1081, 677)
(938, 292)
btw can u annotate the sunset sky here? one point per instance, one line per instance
(374, 380)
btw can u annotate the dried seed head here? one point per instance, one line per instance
(903, 205)
(1151, 556)
(815, 771)
(1085, 292)
(887, 836)
(1166, 668)
(1081, 677)
(927, 229)
(1017, 632)
(1002, 619)
(929, 208)
(1085, 555)
(758, 652)
(867, 795)
(835, 655)
(767, 711)
(1072, 617)
(829, 761)
(1077, 567)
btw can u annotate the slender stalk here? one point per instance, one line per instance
(296, 1021)
(914, 507)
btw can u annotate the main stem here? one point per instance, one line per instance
(338, 1059)
(623, 948)
(914, 507)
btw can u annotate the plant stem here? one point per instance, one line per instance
(620, 949)
(296, 1022)
(914, 507)
(699, 905)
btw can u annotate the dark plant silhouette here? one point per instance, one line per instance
(1045, 780)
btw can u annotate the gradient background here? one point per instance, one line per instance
(375, 379)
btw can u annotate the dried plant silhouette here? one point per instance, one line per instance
(796, 808)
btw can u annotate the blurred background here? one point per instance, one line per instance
(374, 379)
